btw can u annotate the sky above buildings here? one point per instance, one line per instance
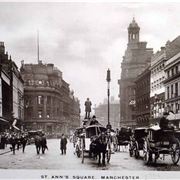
(84, 39)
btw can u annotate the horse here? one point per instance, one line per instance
(98, 146)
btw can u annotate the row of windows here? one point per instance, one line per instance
(42, 83)
(41, 100)
(158, 80)
(173, 71)
(172, 91)
(175, 107)
(157, 69)
(155, 87)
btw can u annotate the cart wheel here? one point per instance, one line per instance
(175, 155)
(82, 154)
(130, 149)
(82, 151)
(136, 151)
(78, 152)
(147, 155)
(108, 154)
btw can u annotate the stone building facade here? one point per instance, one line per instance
(11, 92)
(136, 59)
(172, 87)
(143, 98)
(158, 76)
(48, 103)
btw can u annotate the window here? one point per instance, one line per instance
(40, 82)
(49, 100)
(40, 114)
(176, 89)
(176, 69)
(168, 92)
(172, 72)
(40, 100)
(172, 90)
(48, 114)
(177, 107)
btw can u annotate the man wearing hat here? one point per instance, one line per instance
(164, 122)
(164, 125)
(94, 121)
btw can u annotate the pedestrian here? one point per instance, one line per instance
(13, 142)
(94, 121)
(23, 140)
(3, 140)
(63, 144)
(43, 143)
(87, 108)
(18, 139)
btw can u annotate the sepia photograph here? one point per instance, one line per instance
(90, 90)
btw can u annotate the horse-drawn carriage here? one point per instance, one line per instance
(137, 141)
(155, 142)
(123, 137)
(161, 142)
(90, 142)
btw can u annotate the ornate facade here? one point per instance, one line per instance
(135, 60)
(49, 104)
(158, 77)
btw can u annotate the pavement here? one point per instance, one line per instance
(6, 150)
(53, 159)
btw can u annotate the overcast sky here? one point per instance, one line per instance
(84, 39)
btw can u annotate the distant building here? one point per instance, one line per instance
(101, 112)
(143, 98)
(49, 104)
(172, 87)
(136, 59)
(11, 92)
(158, 76)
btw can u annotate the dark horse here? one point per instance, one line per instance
(98, 146)
(40, 143)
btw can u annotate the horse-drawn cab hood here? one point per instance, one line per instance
(94, 130)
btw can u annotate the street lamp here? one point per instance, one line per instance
(108, 79)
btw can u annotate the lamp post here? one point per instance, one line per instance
(108, 79)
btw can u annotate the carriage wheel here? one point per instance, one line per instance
(175, 155)
(82, 154)
(131, 149)
(109, 153)
(83, 149)
(78, 152)
(146, 151)
(136, 151)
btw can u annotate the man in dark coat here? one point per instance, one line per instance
(43, 143)
(63, 144)
(23, 140)
(164, 125)
(94, 121)
(13, 142)
(87, 108)
(164, 122)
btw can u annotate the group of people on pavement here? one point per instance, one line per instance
(19, 140)
(16, 140)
